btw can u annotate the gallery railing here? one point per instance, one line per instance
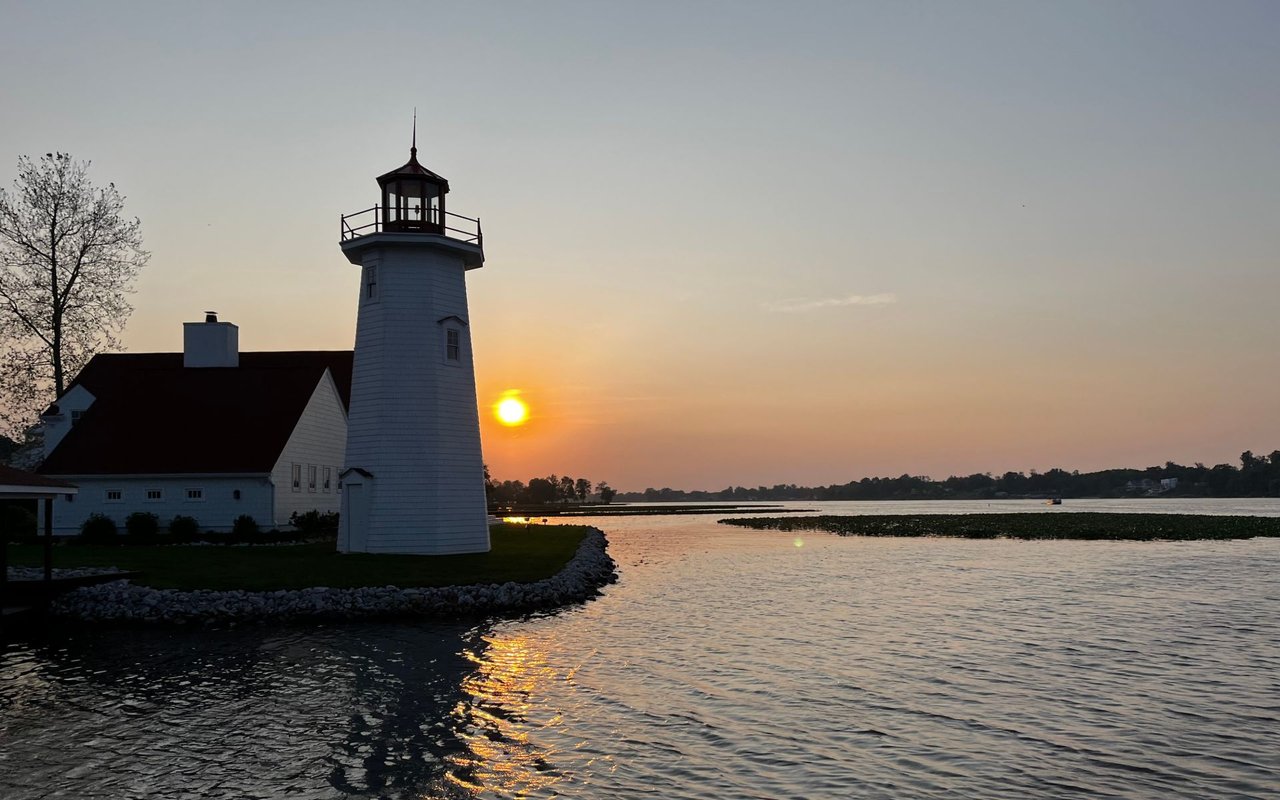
(372, 220)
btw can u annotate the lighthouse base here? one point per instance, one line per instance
(373, 519)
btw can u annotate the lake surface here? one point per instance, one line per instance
(725, 663)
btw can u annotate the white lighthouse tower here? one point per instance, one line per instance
(413, 481)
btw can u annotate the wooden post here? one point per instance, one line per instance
(48, 543)
(4, 554)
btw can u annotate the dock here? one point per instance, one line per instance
(25, 601)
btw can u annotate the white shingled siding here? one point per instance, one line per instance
(317, 443)
(414, 423)
(216, 508)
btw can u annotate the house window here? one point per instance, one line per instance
(75, 417)
(371, 282)
(297, 477)
(328, 478)
(235, 495)
(452, 344)
(155, 495)
(195, 495)
(311, 477)
(115, 495)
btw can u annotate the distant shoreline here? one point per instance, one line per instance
(532, 514)
(1256, 476)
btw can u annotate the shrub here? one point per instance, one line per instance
(99, 529)
(142, 526)
(184, 528)
(315, 523)
(245, 525)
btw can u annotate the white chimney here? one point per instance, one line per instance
(210, 343)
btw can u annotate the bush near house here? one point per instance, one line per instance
(245, 525)
(142, 527)
(315, 524)
(99, 529)
(183, 528)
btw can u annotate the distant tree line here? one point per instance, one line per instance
(1257, 476)
(545, 491)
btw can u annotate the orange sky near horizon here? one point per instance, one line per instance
(729, 243)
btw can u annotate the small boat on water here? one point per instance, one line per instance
(1053, 501)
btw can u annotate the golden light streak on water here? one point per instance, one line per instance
(503, 756)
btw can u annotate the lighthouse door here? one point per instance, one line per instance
(358, 509)
(353, 524)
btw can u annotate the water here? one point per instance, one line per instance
(724, 664)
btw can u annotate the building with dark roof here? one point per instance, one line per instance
(210, 433)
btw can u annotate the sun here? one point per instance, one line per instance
(511, 410)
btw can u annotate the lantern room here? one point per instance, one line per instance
(413, 198)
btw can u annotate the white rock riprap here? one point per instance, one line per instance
(121, 601)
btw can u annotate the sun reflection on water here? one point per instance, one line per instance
(502, 758)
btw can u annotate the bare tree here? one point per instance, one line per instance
(68, 258)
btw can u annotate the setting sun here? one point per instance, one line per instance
(511, 410)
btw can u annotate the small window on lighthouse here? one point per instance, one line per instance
(371, 281)
(452, 344)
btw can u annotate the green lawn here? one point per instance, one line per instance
(519, 554)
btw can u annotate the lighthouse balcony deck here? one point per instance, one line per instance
(376, 220)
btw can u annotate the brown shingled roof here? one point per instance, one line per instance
(16, 477)
(151, 415)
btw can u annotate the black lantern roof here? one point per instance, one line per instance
(416, 170)
(413, 169)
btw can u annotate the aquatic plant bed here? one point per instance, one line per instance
(1043, 525)
(579, 579)
(518, 553)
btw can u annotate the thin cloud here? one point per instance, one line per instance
(802, 304)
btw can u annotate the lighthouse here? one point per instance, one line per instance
(413, 481)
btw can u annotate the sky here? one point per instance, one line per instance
(726, 242)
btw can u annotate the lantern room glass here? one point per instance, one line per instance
(412, 204)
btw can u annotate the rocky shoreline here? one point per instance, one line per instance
(581, 579)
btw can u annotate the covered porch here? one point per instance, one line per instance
(16, 484)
